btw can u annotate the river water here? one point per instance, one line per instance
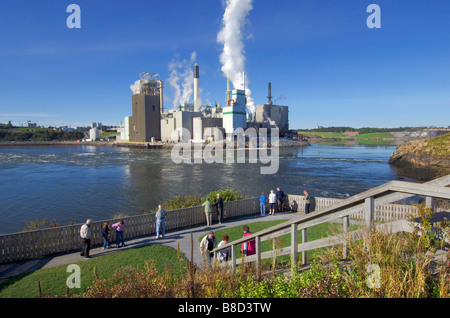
(73, 183)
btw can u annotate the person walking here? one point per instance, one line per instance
(86, 234)
(272, 202)
(105, 235)
(119, 226)
(280, 199)
(219, 206)
(207, 245)
(307, 201)
(208, 211)
(160, 222)
(224, 255)
(262, 203)
(248, 248)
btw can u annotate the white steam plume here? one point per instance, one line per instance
(232, 57)
(182, 71)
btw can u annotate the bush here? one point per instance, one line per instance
(185, 201)
(226, 195)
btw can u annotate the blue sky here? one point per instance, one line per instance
(320, 56)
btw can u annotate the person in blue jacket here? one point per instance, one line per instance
(262, 203)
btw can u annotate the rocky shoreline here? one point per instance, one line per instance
(423, 159)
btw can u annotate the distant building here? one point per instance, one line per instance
(235, 115)
(147, 104)
(175, 121)
(275, 116)
(195, 122)
(145, 122)
(95, 133)
(31, 125)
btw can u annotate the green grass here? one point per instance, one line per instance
(53, 280)
(439, 146)
(324, 134)
(377, 135)
(313, 233)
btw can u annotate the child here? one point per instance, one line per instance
(223, 255)
(105, 233)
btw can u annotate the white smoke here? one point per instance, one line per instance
(231, 36)
(182, 79)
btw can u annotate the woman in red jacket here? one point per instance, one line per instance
(248, 248)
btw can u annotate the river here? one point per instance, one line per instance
(73, 183)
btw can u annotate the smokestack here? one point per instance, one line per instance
(196, 88)
(269, 102)
(161, 96)
(228, 91)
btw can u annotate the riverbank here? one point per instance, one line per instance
(423, 159)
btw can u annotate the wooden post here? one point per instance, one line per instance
(233, 258)
(429, 203)
(258, 252)
(304, 240)
(369, 209)
(294, 248)
(346, 230)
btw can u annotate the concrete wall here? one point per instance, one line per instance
(167, 127)
(184, 120)
(202, 124)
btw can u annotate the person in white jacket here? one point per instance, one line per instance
(272, 202)
(224, 255)
(207, 245)
(86, 233)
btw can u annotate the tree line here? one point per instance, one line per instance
(40, 135)
(364, 130)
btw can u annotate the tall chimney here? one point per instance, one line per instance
(269, 102)
(228, 91)
(196, 88)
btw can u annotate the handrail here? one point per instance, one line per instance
(368, 200)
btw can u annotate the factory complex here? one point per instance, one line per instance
(196, 123)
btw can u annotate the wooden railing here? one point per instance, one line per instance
(367, 203)
(32, 244)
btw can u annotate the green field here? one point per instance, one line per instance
(336, 135)
(324, 134)
(378, 135)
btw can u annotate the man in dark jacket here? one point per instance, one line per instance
(280, 199)
(219, 206)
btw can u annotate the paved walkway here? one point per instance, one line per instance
(171, 238)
